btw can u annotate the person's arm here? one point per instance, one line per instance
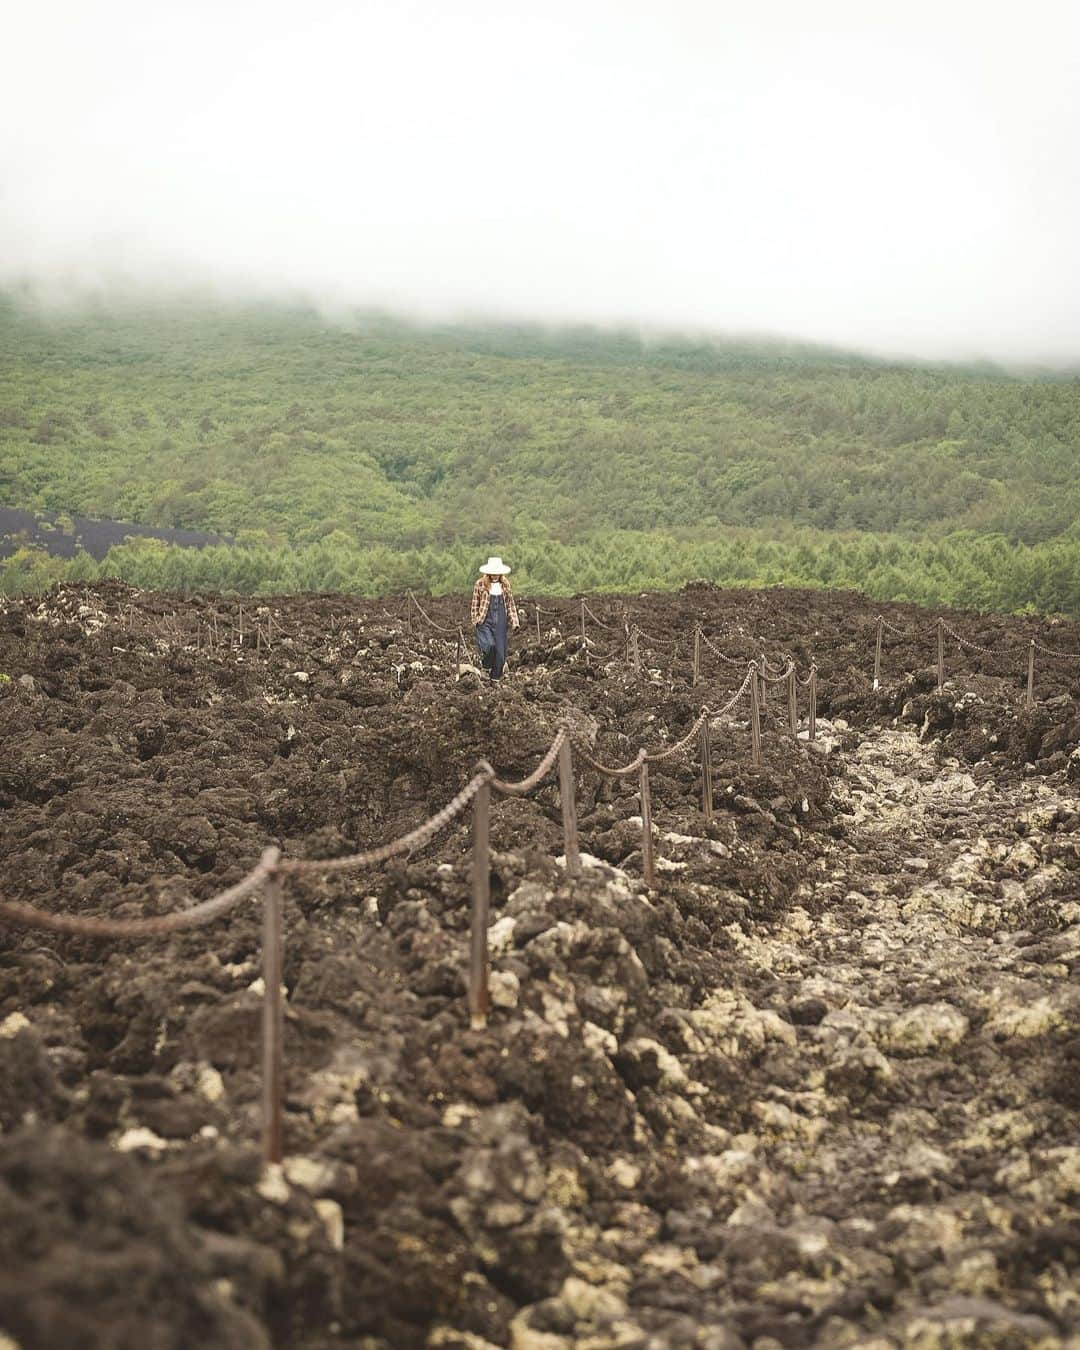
(477, 599)
(511, 608)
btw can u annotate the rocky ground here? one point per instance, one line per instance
(818, 1086)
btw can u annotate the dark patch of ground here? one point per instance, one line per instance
(658, 1062)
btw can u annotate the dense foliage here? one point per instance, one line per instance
(364, 453)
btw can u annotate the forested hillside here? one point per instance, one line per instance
(357, 451)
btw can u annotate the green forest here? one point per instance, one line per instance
(364, 453)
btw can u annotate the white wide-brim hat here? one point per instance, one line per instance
(495, 566)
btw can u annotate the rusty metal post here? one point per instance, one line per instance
(755, 716)
(648, 865)
(569, 810)
(940, 653)
(877, 652)
(813, 703)
(697, 657)
(258, 636)
(793, 702)
(584, 640)
(706, 770)
(241, 625)
(1031, 675)
(460, 652)
(273, 1018)
(538, 623)
(763, 690)
(481, 900)
(635, 651)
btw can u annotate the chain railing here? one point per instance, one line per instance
(272, 869)
(269, 873)
(941, 629)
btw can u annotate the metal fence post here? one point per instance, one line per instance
(877, 651)
(648, 867)
(1031, 675)
(584, 639)
(941, 653)
(755, 716)
(635, 650)
(697, 656)
(538, 623)
(273, 1018)
(706, 771)
(481, 899)
(813, 703)
(569, 810)
(793, 702)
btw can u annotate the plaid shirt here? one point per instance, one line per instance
(481, 596)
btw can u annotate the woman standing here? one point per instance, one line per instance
(492, 605)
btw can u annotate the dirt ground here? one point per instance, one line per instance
(818, 1086)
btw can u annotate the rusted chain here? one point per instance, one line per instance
(406, 844)
(780, 671)
(538, 774)
(29, 916)
(778, 679)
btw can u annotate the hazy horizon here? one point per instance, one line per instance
(901, 185)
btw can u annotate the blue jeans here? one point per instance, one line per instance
(491, 637)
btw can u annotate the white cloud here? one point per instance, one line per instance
(904, 180)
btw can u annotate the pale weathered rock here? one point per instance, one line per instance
(926, 1027)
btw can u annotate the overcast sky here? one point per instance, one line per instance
(904, 177)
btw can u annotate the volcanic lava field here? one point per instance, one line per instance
(818, 1086)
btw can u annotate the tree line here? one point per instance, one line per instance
(967, 571)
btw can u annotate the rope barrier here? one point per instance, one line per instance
(921, 631)
(779, 679)
(407, 843)
(779, 671)
(974, 646)
(427, 617)
(599, 622)
(658, 756)
(538, 774)
(655, 641)
(29, 916)
(1050, 651)
(731, 660)
(608, 769)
